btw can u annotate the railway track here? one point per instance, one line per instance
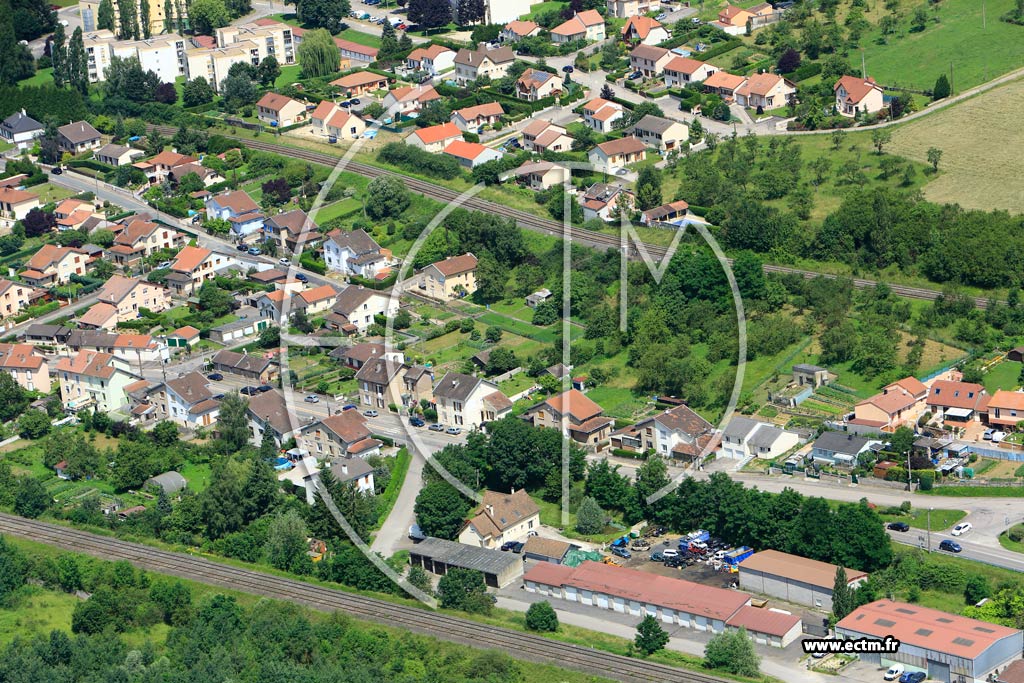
(421, 620)
(535, 223)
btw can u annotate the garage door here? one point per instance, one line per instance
(939, 671)
(700, 623)
(586, 597)
(602, 600)
(618, 604)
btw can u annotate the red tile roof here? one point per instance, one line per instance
(454, 265)
(434, 134)
(856, 88)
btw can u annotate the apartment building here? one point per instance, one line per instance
(129, 295)
(213, 64)
(269, 37)
(162, 54)
(29, 369)
(91, 379)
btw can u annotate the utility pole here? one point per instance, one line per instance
(929, 529)
(863, 65)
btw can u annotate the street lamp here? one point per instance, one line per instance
(930, 529)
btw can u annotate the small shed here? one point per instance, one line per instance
(60, 469)
(538, 297)
(546, 549)
(882, 468)
(183, 337)
(437, 555)
(1016, 354)
(809, 375)
(170, 482)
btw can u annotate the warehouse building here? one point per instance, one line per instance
(437, 555)
(672, 601)
(793, 578)
(946, 647)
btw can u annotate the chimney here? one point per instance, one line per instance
(490, 510)
(344, 467)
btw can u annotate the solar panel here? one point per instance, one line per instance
(885, 622)
(904, 610)
(963, 641)
(984, 630)
(924, 631)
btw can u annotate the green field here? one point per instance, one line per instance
(1002, 376)
(289, 74)
(339, 208)
(37, 612)
(41, 77)
(918, 518)
(359, 37)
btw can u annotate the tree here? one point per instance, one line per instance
(127, 16)
(491, 278)
(789, 61)
(388, 43)
(471, 11)
(942, 88)
(842, 595)
(441, 510)
(33, 424)
(493, 334)
(976, 589)
(268, 71)
(325, 14)
(880, 137)
(13, 399)
(208, 15)
(59, 56)
(233, 423)
(386, 197)
(589, 517)
(541, 616)
(144, 21)
(196, 92)
(276, 192)
(934, 157)
(15, 59)
(165, 93)
(318, 55)
(733, 651)
(919, 21)
(13, 569)
(238, 91)
(648, 188)
(30, 498)
(126, 78)
(105, 15)
(838, 137)
(902, 440)
(430, 13)
(286, 542)
(650, 636)
(464, 589)
(77, 67)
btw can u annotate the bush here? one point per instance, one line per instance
(541, 617)
(419, 161)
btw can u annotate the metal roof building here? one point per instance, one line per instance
(947, 647)
(437, 555)
(793, 578)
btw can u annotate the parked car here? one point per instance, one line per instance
(898, 526)
(635, 75)
(301, 277)
(517, 547)
(263, 388)
(56, 170)
(284, 262)
(436, 427)
(164, 264)
(658, 556)
(893, 672)
(354, 101)
(961, 528)
(998, 436)
(454, 431)
(350, 406)
(416, 421)
(215, 376)
(507, 545)
(312, 398)
(253, 251)
(913, 677)
(249, 391)
(669, 553)
(242, 247)
(950, 546)
(415, 533)
(621, 552)
(568, 68)
(370, 413)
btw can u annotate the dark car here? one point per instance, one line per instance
(249, 391)
(215, 376)
(354, 101)
(56, 170)
(217, 397)
(416, 421)
(656, 556)
(621, 552)
(898, 526)
(567, 69)
(301, 277)
(913, 677)
(350, 406)
(263, 388)
(507, 545)
(517, 547)
(242, 247)
(951, 547)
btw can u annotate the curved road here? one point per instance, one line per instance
(421, 620)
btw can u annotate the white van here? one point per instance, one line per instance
(894, 672)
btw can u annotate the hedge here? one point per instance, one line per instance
(807, 70)
(308, 262)
(623, 453)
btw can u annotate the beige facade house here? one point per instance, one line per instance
(214, 63)
(663, 135)
(644, 30)
(898, 404)
(517, 30)
(502, 517)
(409, 99)
(542, 136)
(280, 110)
(471, 65)
(91, 379)
(650, 60)
(587, 25)
(100, 316)
(541, 175)
(29, 369)
(14, 298)
(434, 138)
(453, 278)
(339, 435)
(535, 84)
(623, 9)
(360, 83)
(681, 71)
(141, 238)
(116, 155)
(15, 205)
(467, 402)
(858, 96)
(331, 121)
(473, 118)
(573, 413)
(53, 265)
(766, 91)
(78, 137)
(724, 83)
(390, 381)
(129, 295)
(615, 154)
(192, 267)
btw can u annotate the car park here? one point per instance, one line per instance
(215, 376)
(898, 526)
(454, 431)
(950, 546)
(370, 413)
(961, 528)
(621, 552)
(436, 427)
(416, 421)
(312, 398)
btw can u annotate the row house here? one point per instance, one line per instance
(469, 402)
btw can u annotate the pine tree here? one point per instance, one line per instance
(405, 44)
(77, 66)
(388, 43)
(59, 56)
(105, 15)
(942, 88)
(144, 18)
(842, 595)
(168, 16)
(163, 504)
(650, 636)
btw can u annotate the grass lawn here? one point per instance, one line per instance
(542, 7)
(617, 401)
(975, 169)
(41, 77)
(1010, 544)
(289, 75)
(52, 193)
(544, 334)
(197, 476)
(1002, 376)
(339, 208)
(359, 37)
(36, 611)
(918, 518)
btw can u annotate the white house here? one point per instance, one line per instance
(587, 25)
(467, 402)
(517, 30)
(858, 96)
(353, 252)
(494, 63)
(744, 438)
(239, 209)
(682, 70)
(645, 30)
(610, 156)
(471, 154)
(331, 121)
(20, 130)
(190, 402)
(600, 114)
(767, 91)
(433, 59)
